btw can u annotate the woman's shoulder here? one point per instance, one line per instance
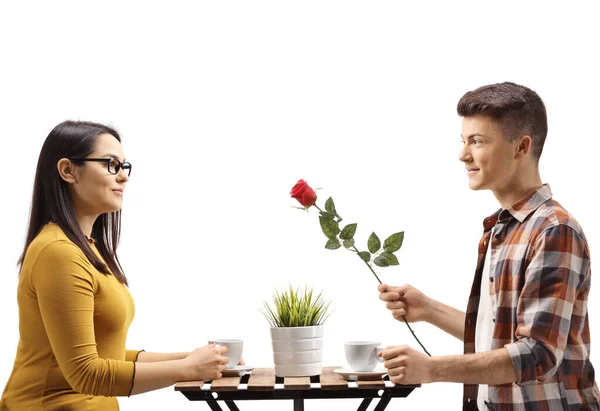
(51, 233)
(51, 242)
(51, 252)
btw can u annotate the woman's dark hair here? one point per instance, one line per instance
(518, 110)
(51, 201)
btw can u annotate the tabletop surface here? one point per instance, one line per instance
(263, 379)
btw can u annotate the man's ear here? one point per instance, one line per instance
(524, 146)
(66, 170)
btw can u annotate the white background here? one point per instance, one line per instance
(223, 106)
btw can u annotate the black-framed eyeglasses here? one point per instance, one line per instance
(113, 165)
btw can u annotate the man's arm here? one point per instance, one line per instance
(415, 306)
(408, 366)
(447, 318)
(553, 297)
(492, 367)
(556, 286)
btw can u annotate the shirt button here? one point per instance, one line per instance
(491, 279)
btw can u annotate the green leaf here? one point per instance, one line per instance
(380, 262)
(394, 242)
(330, 227)
(326, 214)
(348, 243)
(348, 232)
(330, 207)
(294, 308)
(386, 259)
(374, 244)
(365, 255)
(332, 244)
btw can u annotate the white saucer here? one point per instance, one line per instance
(238, 371)
(349, 375)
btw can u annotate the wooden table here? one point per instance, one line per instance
(263, 385)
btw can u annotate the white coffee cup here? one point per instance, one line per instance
(234, 350)
(362, 355)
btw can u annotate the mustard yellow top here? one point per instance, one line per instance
(73, 323)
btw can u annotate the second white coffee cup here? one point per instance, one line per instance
(234, 350)
(362, 355)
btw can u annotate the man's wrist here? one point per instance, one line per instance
(434, 364)
(432, 310)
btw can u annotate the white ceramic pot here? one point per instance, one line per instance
(297, 351)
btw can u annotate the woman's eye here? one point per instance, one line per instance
(113, 166)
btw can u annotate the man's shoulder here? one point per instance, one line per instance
(552, 214)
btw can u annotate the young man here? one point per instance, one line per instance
(526, 332)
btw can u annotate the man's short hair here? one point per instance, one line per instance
(518, 110)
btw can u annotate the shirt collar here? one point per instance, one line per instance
(521, 209)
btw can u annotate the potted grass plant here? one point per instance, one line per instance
(297, 331)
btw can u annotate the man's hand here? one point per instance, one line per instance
(405, 301)
(406, 365)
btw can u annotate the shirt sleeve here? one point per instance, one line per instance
(64, 286)
(132, 355)
(553, 280)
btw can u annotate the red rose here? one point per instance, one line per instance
(304, 194)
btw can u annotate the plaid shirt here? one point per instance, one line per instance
(540, 279)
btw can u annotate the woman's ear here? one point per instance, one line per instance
(66, 170)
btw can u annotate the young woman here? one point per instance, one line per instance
(74, 304)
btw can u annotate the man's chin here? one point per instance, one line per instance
(476, 186)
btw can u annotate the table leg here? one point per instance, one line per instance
(382, 404)
(231, 405)
(298, 404)
(364, 404)
(214, 406)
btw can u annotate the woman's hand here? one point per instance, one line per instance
(205, 363)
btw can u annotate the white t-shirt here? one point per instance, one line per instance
(486, 315)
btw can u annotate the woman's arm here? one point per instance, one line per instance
(64, 287)
(204, 363)
(144, 356)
